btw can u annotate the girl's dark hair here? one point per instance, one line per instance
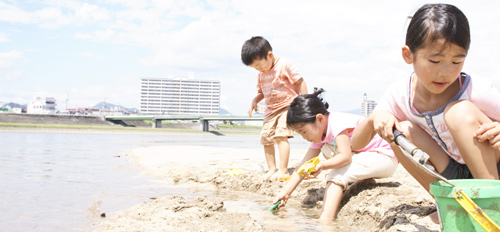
(304, 108)
(438, 21)
(255, 48)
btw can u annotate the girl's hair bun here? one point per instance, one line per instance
(319, 94)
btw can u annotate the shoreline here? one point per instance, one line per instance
(43, 128)
(84, 124)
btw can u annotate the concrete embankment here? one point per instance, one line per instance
(82, 120)
(63, 119)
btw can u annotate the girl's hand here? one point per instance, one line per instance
(489, 131)
(283, 196)
(319, 168)
(383, 122)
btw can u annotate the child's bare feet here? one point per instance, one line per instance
(269, 174)
(279, 174)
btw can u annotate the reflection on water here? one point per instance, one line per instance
(64, 181)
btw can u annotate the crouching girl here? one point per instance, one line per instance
(330, 134)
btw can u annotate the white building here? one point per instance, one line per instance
(179, 96)
(42, 105)
(367, 106)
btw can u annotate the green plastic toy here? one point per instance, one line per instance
(273, 207)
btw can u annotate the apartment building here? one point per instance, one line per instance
(179, 96)
(367, 106)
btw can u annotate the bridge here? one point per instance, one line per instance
(203, 119)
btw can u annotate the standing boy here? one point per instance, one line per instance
(278, 82)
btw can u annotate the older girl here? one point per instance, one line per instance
(442, 110)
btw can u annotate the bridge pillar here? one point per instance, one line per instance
(204, 124)
(156, 123)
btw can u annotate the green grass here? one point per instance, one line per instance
(235, 131)
(238, 126)
(64, 126)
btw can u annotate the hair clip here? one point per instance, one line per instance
(321, 97)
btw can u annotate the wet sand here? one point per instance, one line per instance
(396, 203)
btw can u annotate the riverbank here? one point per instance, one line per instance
(72, 123)
(38, 128)
(396, 203)
(54, 119)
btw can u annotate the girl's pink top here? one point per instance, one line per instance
(338, 122)
(479, 91)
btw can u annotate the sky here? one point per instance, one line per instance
(86, 52)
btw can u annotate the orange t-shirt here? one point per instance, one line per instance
(278, 85)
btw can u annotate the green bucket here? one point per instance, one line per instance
(453, 217)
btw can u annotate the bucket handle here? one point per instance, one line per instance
(475, 212)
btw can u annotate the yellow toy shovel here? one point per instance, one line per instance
(475, 211)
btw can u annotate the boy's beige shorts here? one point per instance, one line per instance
(275, 127)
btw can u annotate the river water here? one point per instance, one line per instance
(61, 181)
